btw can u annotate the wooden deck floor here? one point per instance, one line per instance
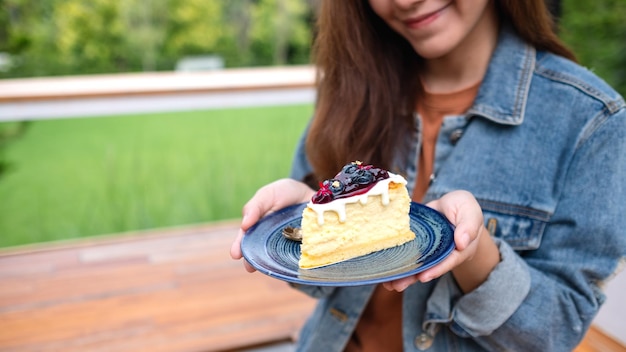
(166, 291)
(171, 290)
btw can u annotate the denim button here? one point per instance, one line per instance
(423, 341)
(456, 135)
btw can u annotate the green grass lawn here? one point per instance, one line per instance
(83, 177)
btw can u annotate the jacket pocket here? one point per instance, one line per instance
(521, 227)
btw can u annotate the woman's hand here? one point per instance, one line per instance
(269, 198)
(475, 254)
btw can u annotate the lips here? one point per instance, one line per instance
(423, 20)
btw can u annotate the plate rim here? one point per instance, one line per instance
(357, 282)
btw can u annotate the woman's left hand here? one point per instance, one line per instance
(471, 240)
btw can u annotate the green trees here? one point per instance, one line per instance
(55, 37)
(90, 35)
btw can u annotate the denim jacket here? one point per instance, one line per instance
(543, 150)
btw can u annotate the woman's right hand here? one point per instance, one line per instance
(269, 198)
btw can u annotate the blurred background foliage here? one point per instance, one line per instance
(61, 37)
(596, 31)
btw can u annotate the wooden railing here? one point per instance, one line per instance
(101, 95)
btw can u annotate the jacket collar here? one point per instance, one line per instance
(503, 93)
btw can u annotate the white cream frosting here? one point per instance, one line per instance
(381, 188)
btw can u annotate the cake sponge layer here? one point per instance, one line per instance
(367, 228)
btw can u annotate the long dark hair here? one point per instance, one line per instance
(367, 81)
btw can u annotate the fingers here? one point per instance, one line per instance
(468, 225)
(454, 259)
(235, 251)
(248, 267)
(258, 206)
(266, 200)
(235, 248)
(400, 284)
(446, 265)
(272, 197)
(464, 212)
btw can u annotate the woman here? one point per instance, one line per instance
(481, 107)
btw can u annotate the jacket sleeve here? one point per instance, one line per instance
(546, 299)
(300, 166)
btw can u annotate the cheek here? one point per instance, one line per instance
(384, 9)
(381, 7)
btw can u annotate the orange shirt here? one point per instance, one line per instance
(380, 326)
(432, 109)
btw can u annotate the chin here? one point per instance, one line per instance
(432, 53)
(436, 46)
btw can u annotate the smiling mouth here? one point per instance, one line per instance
(423, 20)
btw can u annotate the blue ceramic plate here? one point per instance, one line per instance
(268, 251)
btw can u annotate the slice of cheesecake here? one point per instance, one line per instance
(362, 210)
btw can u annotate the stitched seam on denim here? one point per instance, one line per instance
(593, 125)
(490, 114)
(512, 209)
(533, 237)
(521, 94)
(613, 105)
(528, 239)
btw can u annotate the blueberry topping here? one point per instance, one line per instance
(353, 179)
(336, 186)
(350, 169)
(363, 177)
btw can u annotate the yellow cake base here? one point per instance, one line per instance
(368, 228)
